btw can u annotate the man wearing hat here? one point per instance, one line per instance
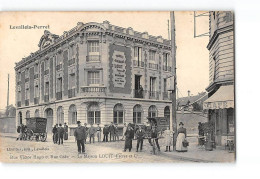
(80, 135)
(98, 132)
(105, 133)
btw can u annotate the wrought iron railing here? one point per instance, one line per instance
(93, 58)
(153, 66)
(153, 95)
(138, 63)
(72, 93)
(139, 93)
(59, 95)
(93, 89)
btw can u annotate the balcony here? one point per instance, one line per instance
(19, 104)
(93, 58)
(46, 72)
(59, 95)
(36, 100)
(166, 96)
(72, 93)
(46, 98)
(93, 91)
(153, 66)
(58, 67)
(167, 68)
(36, 76)
(153, 95)
(27, 102)
(138, 63)
(139, 93)
(71, 61)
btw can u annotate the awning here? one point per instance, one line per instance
(222, 98)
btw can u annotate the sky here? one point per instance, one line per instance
(192, 56)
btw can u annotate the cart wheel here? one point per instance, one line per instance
(43, 137)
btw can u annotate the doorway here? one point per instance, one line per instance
(49, 116)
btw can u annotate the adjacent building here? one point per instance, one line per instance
(220, 104)
(95, 73)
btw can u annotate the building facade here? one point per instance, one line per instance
(220, 104)
(95, 73)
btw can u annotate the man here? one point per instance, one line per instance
(105, 133)
(92, 132)
(124, 130)
(60, 132)
(154, 135)
(116, 136)
(55, 134)
(85, 124)
(19, 131)
(98, 132)
(140, 137)
(80, 136)
(112, 131)
(66, 130)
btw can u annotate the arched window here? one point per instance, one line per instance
(118, 114)
(60, 115)
(72, 114)
(27, 114)
(20, 117)
(93, 114)
(167, 112)
(137, 114)
(37, 113)
(152, 111)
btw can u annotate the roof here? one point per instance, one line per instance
(192, 99)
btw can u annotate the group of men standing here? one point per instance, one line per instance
(60, 133)
(112, 131)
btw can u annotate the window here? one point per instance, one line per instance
(59, 85)
(72, 114)
(36, 91)
(19, 96)
(165, 85)
(138, 55)
(60, 115)
(152, 84)
(167, 112)
(19, 76)
(27, 73)
(118, 114)
(166, 63)
(93, 77)
(152, 111)
(47, 88)
(27, 114)
(72, 81)
(137, 114)
(36, 66)
(94, 114)
(27, 94)
(47, 64)
(93, 46)
(152, 56)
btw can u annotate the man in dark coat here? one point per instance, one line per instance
(112, 131)
(66, 130)
(154, 135)
(60, 131)
(92, 132)
(129, 135)
(80, 135)
(116, 133)
(140, 137)
(105, 133)
(55, 134)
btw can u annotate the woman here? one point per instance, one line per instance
(180, 138)
(168, 134)
(129, 135)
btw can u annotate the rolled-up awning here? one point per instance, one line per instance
(222, 98)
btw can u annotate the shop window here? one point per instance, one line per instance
(137, 114)
(37, 113)
(167, 112)
(72, 114)
(152, 111)
(60, 115)
(27, 114)
(118, 114)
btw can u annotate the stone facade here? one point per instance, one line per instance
(95, 73)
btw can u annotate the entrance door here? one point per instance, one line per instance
(49, 116)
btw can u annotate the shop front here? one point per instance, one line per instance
(221, 114)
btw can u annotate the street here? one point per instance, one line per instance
(47, 152)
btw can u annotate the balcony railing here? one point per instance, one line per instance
(153, 66)
(36, 100)
(59, 95)
(93, 89)
(93, 58)
(72, 93)
(167, 68)
(138, 93)
(71, 61)
(27, 102)
(58, 67)
(153, 95)
(46, 72)
(166, 96)
(19, 104)
(138, 63)
(46, 98)
(36, 76)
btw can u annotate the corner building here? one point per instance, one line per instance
(95, 73)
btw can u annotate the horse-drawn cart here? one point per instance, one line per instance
(36, 128)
